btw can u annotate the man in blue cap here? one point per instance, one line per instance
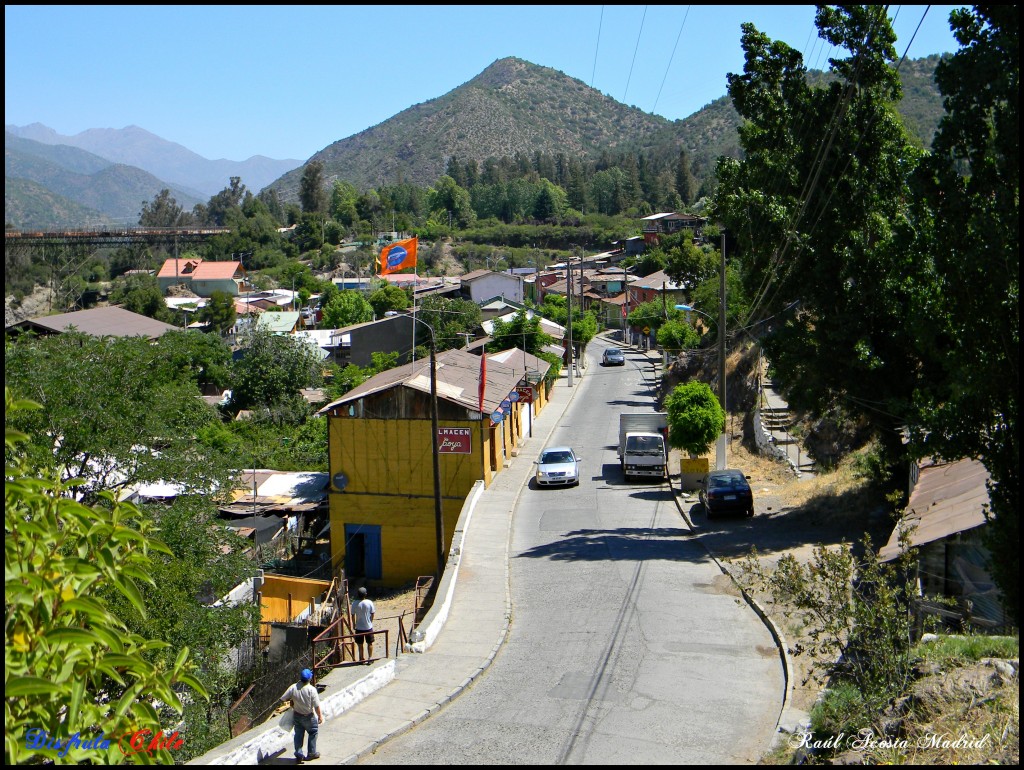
(306, 709)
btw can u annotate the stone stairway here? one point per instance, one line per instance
(776, 421)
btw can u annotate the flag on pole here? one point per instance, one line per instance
(483, 379)
(398, 256)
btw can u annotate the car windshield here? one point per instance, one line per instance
(727, 482)
(644, 445)
(614, 352)
(549, 458)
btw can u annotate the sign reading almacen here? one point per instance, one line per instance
(455, 440)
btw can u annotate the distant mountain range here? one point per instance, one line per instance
(105, 174)
(511, 107)
(514, 106)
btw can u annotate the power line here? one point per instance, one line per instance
(597, 46)
(634, 54)
(670, 59)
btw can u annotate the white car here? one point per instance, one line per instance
(558, 466)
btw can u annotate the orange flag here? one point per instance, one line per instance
(398, 256)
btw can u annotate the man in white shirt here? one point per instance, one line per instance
(363, 613)
(306, 709)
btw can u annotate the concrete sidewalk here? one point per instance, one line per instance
(365, 706)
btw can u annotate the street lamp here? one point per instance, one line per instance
(720, 459)
(438, 511)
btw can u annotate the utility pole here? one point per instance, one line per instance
(568, 296)
(723, 444)
(625, 307)
(438, 511)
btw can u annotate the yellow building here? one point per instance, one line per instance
(381, 450)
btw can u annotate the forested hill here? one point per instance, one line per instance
(517, 108)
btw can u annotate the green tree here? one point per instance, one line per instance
(219, 312)
(695, 418)
(688, 264)
(449, 199)
(116, 412)
(686, 185)
(969, 307)
(223, 204)
(707, 298)
(347, 308)
(141, 294)
(71, 667)
(272, 371)
(204, 359)
(312, 194)
(388, 297)
(451, 319)
(676, 334)
(163, 211)
(814, 205)
(522, 331)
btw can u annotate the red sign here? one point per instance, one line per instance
(525, 395)
(455, 441)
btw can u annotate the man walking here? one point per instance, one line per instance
(306, 709)
(363, 612)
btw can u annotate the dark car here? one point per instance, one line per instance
(726, 492)
(613, 357)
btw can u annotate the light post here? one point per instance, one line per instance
(438, 511)
(720, 459)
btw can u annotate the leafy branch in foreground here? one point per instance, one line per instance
(70, 666)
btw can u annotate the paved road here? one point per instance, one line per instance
(623, 647)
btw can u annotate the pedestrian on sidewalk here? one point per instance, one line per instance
(306, 709)
(364, 611)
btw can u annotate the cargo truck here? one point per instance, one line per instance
(643, 445)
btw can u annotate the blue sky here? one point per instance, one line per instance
(286, 81)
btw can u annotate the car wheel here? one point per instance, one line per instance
(750, 513)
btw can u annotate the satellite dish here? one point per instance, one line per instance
(340, 480)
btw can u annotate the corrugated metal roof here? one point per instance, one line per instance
(458, 381)
(948, 498)
(518, 360)
(102, 322)
(279, 323)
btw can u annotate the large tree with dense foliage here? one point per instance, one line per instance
(388, 297)
(814, 206)
(163, 211)
(312, 194)
(346, 308)
(966, 232)
(116, 412)
(521, 331)
(219, 312)
(454, 321)
(695, 418)
(271, 372)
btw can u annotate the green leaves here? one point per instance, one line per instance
(66, 656)
(695, 418)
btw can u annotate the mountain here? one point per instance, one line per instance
(178, 165)
(515, 106)
(74, 178)
(29, 205)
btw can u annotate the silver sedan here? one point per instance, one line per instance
(558, 466)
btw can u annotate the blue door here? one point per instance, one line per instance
(362, 551)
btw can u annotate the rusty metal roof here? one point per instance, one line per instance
(948, 498)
